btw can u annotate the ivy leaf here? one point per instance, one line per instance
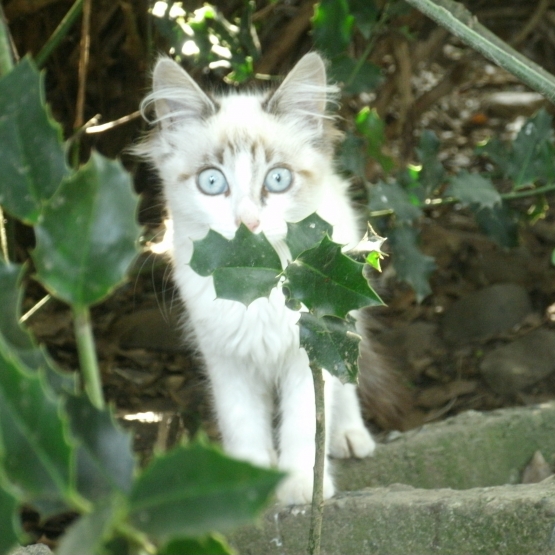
(409, 262)
(35, 452)
(307, 233)
(472, 188)
(33, 163)
(105, 460)
(244, 268)
(86, 236)
(9, 521)
(391, 196)
(331, 343)
(194, 490)
(328, 282)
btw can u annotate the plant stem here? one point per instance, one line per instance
(87, 355)
(317, 510)
(60, 33)
(459, 21)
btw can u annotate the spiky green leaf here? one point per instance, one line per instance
(194, 490)
(87, 233)
(331, 343)
(473, 189)
(306, 234)
(32, 164)
(243, 268)
(391, 196)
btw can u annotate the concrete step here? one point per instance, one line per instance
(397, 516)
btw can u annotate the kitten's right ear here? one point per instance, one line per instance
(175, 95)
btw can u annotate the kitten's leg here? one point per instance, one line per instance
(349, 436)
(243, 404)
(297, 433)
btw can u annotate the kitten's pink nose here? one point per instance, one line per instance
(247, 213)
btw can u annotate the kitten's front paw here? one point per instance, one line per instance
(354, 442)
(296, 489)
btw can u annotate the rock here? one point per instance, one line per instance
(485, 313)
(35, 549)
(520, 364)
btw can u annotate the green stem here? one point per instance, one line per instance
(459, 21)
(87, 355)
(60, 33)
(317, 510)
(528, 193)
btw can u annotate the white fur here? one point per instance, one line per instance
(252, 353)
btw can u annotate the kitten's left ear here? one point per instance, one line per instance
(304, 92)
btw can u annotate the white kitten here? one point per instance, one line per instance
(263, 159)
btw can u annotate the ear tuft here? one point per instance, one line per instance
(175, 95)
(304, 92)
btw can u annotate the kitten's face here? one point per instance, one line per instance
(242, 158)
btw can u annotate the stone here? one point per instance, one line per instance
(510, 104)
(485, 313)
(520, 364)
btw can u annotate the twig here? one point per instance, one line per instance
(60, 33)
(83, 64)
(532, 23)
(317, 510)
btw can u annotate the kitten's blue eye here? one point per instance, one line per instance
(212, 182)
(278, 180)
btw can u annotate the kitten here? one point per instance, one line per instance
(263, 159)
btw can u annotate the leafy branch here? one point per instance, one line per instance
(321, 279)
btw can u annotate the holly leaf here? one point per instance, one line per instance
(243, 268)
(35, 452)
(332, 26)
(307, 233)
(33, 162)
(195, 489)
(372, 127)
(9, 521)
(105, 461)
(472, 188)
(331, 343)
(86, 236)
(328, 282)
(432, 173)
(409, 262)
(391, 196)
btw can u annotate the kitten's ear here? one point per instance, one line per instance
(175, 94)
(304, 92)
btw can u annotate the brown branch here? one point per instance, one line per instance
(83, 64)
(288, 37)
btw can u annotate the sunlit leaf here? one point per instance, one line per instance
(371, 126)
(194, 490)
(472, 188)
(332, 26)
(329, 282)
(32, 164)
(331, 343)
(409, 262)
(87, 233)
